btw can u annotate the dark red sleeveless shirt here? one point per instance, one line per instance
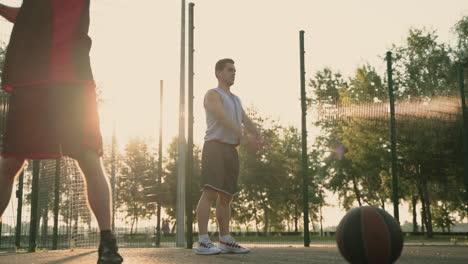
(49, 44)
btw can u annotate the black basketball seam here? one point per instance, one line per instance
(358, 247)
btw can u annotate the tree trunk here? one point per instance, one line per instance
(429, 219)
(136, 225)
(423, 210)
(423, 220)
(69, 223)
(356, 191)
(265, 230)
(428, 207)
(426, 216)
(75, 229)
(414, 203)
(296, 219)
(256, 221)
(321, 221)
(311, 222)
(131, 226)
(45, 223)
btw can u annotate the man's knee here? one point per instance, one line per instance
(90, 164)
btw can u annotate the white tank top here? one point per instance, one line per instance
(233, 108)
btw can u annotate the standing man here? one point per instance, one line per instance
(53, 109)
(220, 163)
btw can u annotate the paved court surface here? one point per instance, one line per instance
(317, 254)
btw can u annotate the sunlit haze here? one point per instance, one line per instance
(137, 43)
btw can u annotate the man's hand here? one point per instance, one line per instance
(253, 144)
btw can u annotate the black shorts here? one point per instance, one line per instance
(220, 167)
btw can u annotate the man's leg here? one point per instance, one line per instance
(98, 190)
(9, 169)
(99, 200)
(205, 246)
(203, 210)
(223, 213)
(227, 244)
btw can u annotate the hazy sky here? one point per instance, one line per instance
(137, 43)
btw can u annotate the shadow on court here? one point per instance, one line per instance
(317, 254)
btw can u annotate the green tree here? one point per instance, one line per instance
(423, 67)
(424, 72)
(291, 143)
(352, 143)
(366, 86)
(266, 201)
(169, 179)
(137, 172)
(461, 31)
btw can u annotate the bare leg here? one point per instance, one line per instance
(97, 188)
(203, 210)
(9, 169)
(223, 213)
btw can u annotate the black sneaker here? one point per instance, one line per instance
(108, 251)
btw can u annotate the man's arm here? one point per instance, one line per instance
(9, 13)
(214, 105)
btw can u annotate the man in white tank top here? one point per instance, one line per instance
(220, 163)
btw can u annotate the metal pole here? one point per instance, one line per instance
(19, 210)
(113, 180)
(305, 180)
(56, 204)
(461, 84)
(158, 224)
(33, 223)
(190, 131)
(180, 213)
(396, 213)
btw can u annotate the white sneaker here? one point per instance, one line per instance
(232, 248)
(207, 248)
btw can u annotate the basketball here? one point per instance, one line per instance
(369, 235)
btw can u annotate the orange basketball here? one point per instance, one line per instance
(369, 235)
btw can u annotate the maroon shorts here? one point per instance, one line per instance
(49, 121)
